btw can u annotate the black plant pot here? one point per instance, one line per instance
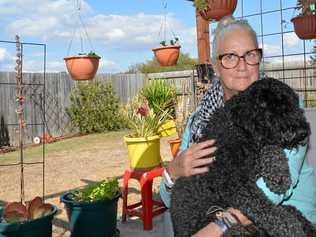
(40, 227)
(93, 219)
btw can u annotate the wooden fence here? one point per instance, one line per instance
(58, 87)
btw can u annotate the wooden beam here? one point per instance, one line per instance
(203, 39)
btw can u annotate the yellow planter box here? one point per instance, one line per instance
(168, 128)
(143, 152)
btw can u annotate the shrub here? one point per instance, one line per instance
(95, 108)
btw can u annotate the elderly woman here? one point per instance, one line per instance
(236, 58)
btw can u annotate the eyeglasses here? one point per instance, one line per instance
(231, 60)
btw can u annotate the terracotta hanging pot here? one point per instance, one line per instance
(219, 8)
(82, 67)
(167, 55)
(305, 26)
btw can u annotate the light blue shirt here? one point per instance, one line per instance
(302, 193)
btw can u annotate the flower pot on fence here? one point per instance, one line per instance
(167, 55)
(143, 153)
(168, 128)
(305, 26)
(93, 219)
(218, 9)
(40, 227)
(174, 146)
(82, 67)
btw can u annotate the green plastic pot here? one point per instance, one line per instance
(40, 227)
(93, 219)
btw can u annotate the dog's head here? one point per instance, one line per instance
(269, 112)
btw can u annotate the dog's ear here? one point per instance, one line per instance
(272, 166)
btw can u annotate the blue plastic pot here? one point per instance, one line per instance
(93, 219)
(40, 227)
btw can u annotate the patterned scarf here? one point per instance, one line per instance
(212, 100)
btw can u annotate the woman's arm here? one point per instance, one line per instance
(215, 230)
(187, 162)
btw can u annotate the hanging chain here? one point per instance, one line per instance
(20, 98)
(164, 25)
(82, 29)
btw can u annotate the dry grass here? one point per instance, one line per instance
(70, 164)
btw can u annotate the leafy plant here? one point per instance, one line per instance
(91, 53)
(161, 96)
(95, 108)
(174, 41)
(201, 5)
(142, 118)
(307, 7)
(16, 211)
(107, 189)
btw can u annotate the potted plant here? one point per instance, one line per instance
(143, 144)
(92, 211)
(82, 66)
(305, 22)
(32, 219)
(162, 96)
(168, 54)
(215, 9)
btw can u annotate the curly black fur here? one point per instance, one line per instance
(251, 130)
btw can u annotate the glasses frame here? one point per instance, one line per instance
(220, 57)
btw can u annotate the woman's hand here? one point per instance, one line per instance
(213, 230)
(193, 160)
(241, 217)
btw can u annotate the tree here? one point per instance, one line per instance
(185, 62)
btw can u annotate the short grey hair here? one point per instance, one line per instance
(228, 24)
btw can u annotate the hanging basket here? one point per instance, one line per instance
(305, 26)
(82, 67)
(143, 153)
(218, 9)
(167, 55)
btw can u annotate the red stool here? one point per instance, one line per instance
(150, 207)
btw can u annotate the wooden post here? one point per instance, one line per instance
(203, 39)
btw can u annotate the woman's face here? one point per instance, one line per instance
(235, 80)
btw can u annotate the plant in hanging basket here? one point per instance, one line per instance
(34, 218)
(82, 66)
(215, 9)
(92, 210)
(168, 53)
(305, 22)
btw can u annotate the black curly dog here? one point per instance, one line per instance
(251, 131)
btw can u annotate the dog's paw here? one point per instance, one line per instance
(273, 167)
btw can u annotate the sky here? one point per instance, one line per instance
(123, 32)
